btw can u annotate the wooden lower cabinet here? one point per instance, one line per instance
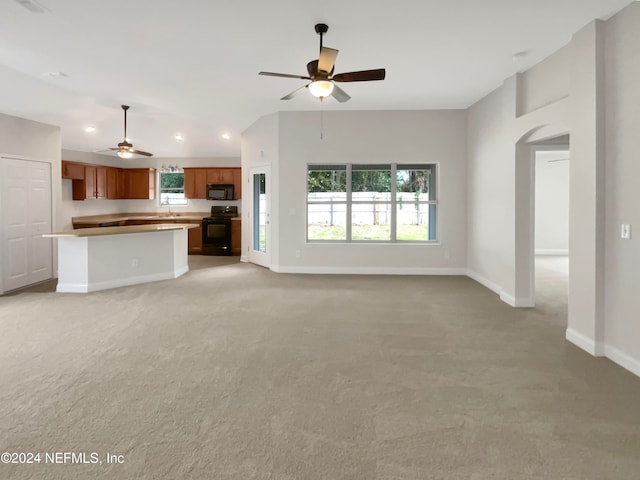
(195, 240)
(236, 237)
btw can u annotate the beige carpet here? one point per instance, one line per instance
(234, 372)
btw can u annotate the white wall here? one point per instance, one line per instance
(622, 258)
(73, 208)
(35, 141)
(371, 137)
(545, 83)
(603, 303)
(552, 202)
(260, 145)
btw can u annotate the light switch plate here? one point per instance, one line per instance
(625, 231)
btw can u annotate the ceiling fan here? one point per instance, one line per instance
(320, 73)
(125, 149)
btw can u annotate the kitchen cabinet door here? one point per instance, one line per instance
(195, 182)
(95, 181)
(195, 240)
(237, 183)
(141, 183)
(72, 170)
(213, 175)
(226, 175)
(236, 237)
(115, 183)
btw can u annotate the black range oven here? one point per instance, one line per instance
(216, 230)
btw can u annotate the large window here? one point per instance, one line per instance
(172, 186)
(369, 203)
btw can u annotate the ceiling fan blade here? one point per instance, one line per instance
(327, 59)
(285, 75)
(340, 94)
(140, 152)
(294, 93)
(361, 76)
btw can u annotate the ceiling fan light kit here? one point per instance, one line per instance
(321, 74)
(321, 88)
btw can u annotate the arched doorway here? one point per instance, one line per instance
(541, 138)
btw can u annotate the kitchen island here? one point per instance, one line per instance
(92, 259)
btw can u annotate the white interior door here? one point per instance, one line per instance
(260, 213)
(25, 206)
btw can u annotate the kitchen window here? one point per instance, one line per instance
(372, 203)
(172, 186)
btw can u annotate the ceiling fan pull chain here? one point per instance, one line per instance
(321, 118)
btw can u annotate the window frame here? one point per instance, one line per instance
(161, 190)
(348, 202)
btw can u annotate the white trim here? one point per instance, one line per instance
(585, 343)
(494, 287)
(622, 359)
(552, 251)
(518, 302)
(368, 270)
(121, 282)
(522, 302)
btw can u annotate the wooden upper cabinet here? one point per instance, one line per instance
(237, 183)
(140, 183)
(195, 182)
(115, 183)
(226, 175)
(213, 175)
(99, 181)
(95, 181)
(72, 170)
(222, 175)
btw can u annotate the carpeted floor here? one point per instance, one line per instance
(234, 372)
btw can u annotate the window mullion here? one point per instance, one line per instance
(349, 203)
(393, 202)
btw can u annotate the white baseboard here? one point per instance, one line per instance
(368, 270)
(120, 282)
(551, 251)
(585, 343)
(622, 359)
(518, 302)
(505, 297)
(494, 287)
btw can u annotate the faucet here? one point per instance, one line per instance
(167, 203)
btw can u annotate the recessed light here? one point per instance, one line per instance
(90, 129)
(226, 136)
(179, 137)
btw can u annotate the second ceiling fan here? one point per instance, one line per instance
(321, 74)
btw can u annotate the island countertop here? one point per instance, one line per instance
(100, 231)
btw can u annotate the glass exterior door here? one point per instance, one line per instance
(260, 212)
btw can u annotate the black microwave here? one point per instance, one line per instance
(220, 191)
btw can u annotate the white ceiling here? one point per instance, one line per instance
(191, 66)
